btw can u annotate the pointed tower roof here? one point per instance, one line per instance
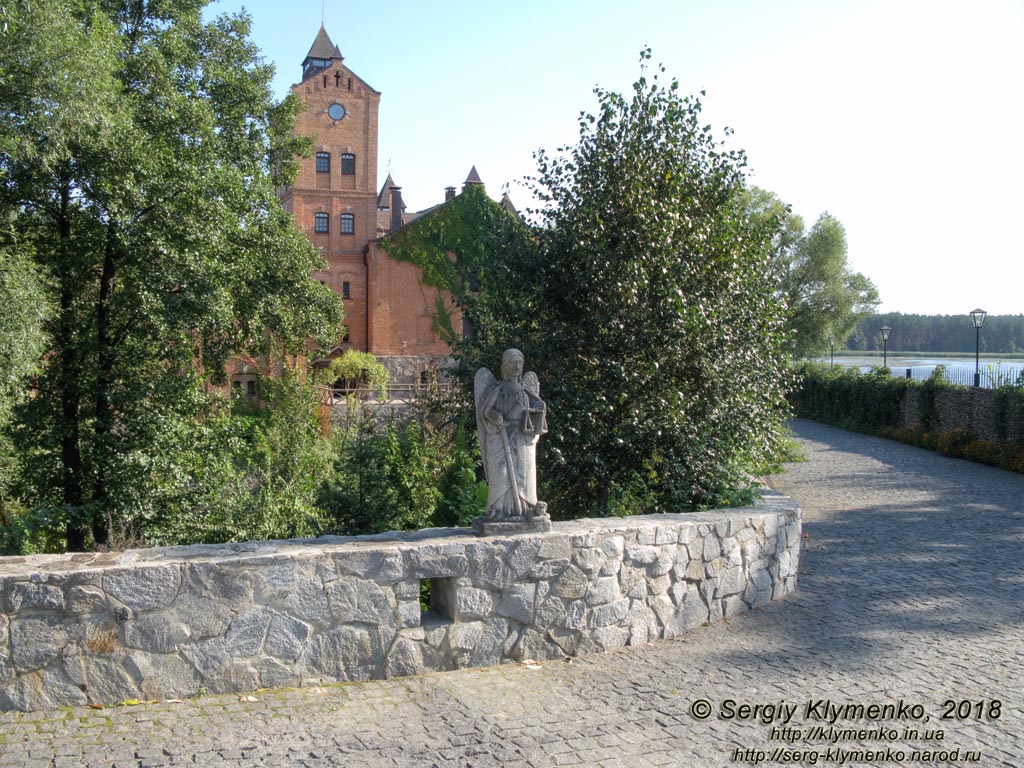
(474, 177)
(509, 207)
(323, 47)
(321, 54)
(384, 198)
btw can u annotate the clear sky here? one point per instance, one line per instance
(902, 118)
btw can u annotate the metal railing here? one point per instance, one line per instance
(393, 393)
(991, 376)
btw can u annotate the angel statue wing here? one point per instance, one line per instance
(482, 383)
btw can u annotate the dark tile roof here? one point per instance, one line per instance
(322, 47)
(384, 198)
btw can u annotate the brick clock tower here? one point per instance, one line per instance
(334, 198)
(389, 312)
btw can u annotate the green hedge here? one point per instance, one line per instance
(872, 403)
(849, 399)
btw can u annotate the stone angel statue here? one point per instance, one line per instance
(510, 418)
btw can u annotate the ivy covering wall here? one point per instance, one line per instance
(477, 251)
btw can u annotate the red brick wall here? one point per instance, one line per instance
(402, 309)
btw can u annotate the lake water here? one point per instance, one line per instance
(994, 371)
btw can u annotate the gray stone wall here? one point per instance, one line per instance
(173, 622)
(405, 369)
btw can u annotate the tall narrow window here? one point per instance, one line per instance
(346, 290)
(321, 223)
(348, 165)
(348, 224)
(323, 162)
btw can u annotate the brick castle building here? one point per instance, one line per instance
(336, 202)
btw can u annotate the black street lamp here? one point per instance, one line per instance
(886, 330)
(831, 351)
(978, 318)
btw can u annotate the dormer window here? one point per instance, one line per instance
(312, 66)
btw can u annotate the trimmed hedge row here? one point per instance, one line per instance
(874, 403)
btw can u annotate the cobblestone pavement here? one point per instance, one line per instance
(911, 593)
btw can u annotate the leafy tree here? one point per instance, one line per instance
(243, 476)
(22, 338)
(358, 369)
(26, 309)
(657, 332)
(139, 152)
(825, 298)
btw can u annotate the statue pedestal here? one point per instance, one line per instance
(483, 526)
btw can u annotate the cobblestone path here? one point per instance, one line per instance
(911, 594)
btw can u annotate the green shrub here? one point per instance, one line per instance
(382, 481)
(31, 531)
(952, 444)
(463, 494)
(909, 435)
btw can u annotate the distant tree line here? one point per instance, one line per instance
(939, 333)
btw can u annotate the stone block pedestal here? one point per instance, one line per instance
(507, 527)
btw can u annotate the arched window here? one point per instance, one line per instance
(321, 223)
(348, 224)
(323, 162)
(348, 165)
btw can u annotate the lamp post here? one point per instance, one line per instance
(886, 330)
(978, 318)
(831, 351)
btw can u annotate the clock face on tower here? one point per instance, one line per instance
(336, 111)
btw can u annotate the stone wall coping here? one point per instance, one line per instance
(38, 566)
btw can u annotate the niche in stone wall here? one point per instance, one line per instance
(437, 601)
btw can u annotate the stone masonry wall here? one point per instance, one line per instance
(981, 412)
(172, 622)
